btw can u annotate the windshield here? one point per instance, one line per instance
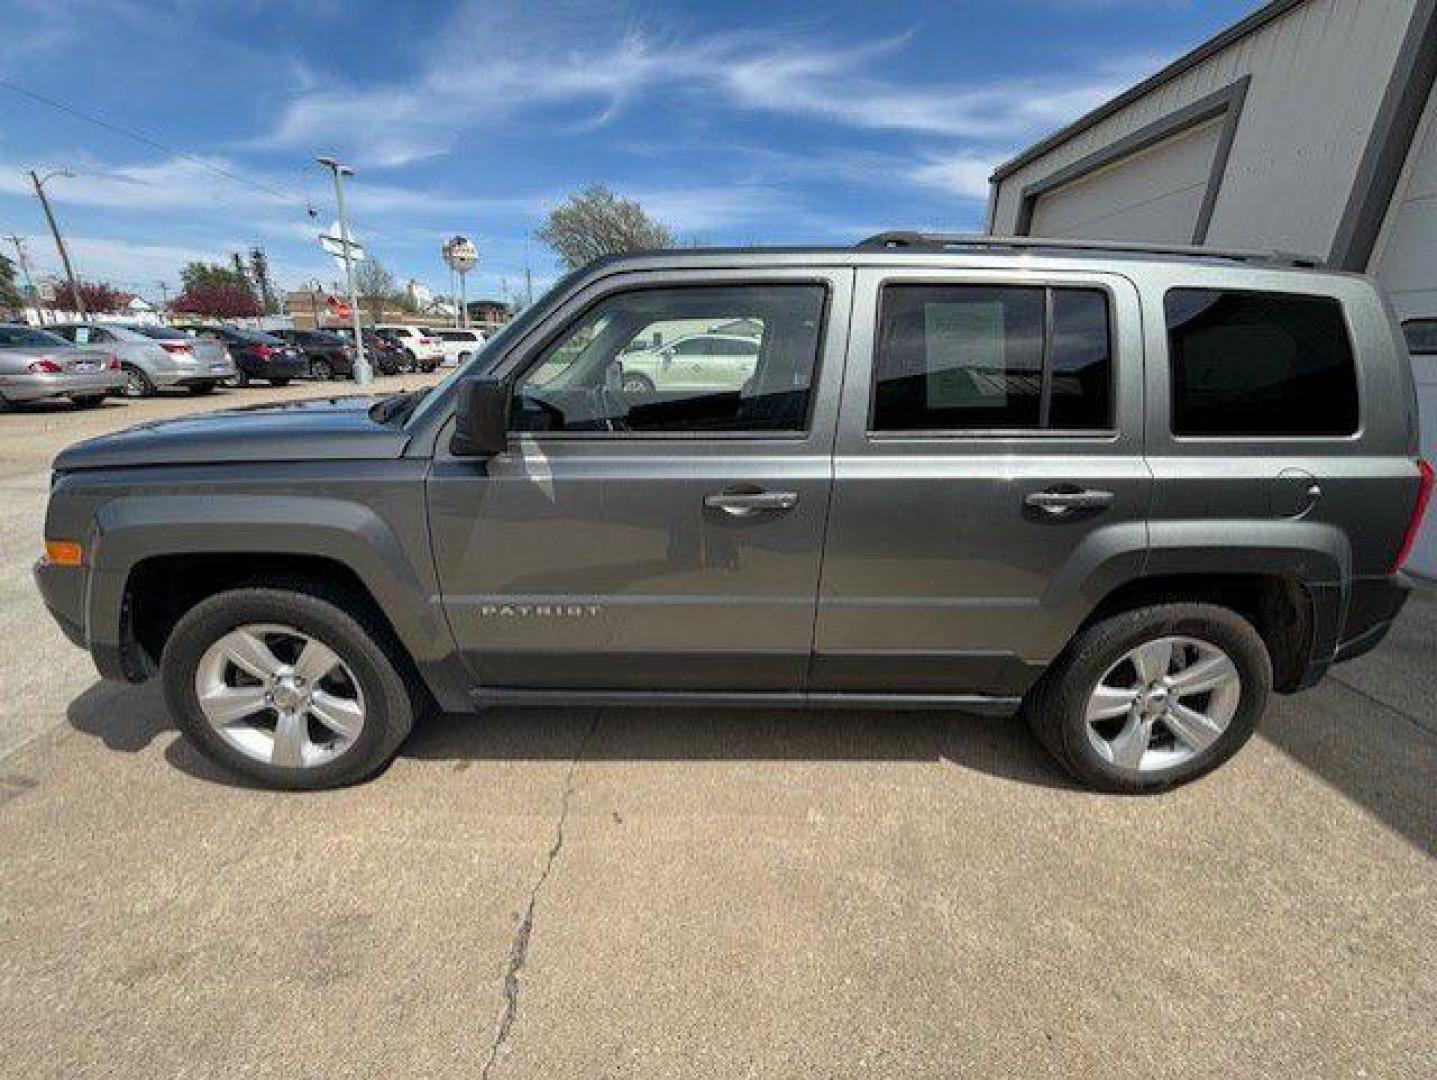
(27, 337)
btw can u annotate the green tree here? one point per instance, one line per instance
(596, 222)
(9, 292)
(200, 275)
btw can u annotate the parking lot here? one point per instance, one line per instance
(701, 893)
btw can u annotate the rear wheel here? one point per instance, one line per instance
(88, 401)
(1148, 699)
(137, 383)
(636, 384)
(200, 388)
(289, 688)
(321, 369)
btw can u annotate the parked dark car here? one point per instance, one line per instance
(256, 355)
(385, 357)
(327, 355)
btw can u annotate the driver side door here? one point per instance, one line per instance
(666, 539)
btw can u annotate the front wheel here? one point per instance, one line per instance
(1148, 699)
(289, 687)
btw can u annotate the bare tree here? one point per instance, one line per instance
(597, 222)
(375, 286)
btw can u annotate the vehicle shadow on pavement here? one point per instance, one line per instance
(129, 719)
(1382, 764)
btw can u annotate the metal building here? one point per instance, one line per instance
(1309, 127)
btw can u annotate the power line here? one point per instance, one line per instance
(151, 142)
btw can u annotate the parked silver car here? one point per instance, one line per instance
(35, 365)
(150, 362)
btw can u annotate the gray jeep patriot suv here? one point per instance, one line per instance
(1126, 491)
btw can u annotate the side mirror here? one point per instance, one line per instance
(481, 419)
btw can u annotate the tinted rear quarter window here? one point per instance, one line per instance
(1259, 364)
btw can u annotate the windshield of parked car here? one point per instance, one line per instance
(27, 337)
(160, 333)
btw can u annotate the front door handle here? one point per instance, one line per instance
(1064, 501)
(748, 503)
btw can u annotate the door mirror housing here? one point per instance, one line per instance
(481, 419)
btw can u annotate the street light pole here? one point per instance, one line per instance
(361, 363)
(55, 231)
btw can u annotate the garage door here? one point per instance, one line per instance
(1153, 196)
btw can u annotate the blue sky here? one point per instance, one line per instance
(738, 122)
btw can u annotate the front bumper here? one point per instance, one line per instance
(34, 386)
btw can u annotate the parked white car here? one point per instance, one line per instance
(421, 348)
(705, 361)
(459, 345)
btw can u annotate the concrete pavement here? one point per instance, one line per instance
(702, 893)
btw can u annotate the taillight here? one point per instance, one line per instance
(46, 367)
(1424, 496)
(264, 352)
(175, 347)
(112, 363)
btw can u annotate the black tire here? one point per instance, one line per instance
(239, 380)
(137, 383)
(1055, 708)
(88, 401)
(321, 369)
(279, 382)
(334, 618)
(6, 405)
(411, 362)
(199, 389)
(462, 359)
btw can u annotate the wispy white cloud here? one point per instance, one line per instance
(480, 78)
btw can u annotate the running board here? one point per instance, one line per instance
(486, 697)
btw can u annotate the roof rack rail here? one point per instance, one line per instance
(895, 241)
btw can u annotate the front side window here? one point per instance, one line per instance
(643, 361)
(1259, 364)
(992, 358)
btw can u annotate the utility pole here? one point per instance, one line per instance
(361, 363)
(164, 298)
(55, 230)
(19, 242)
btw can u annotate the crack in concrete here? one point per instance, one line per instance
(523, 933)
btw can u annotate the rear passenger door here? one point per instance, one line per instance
(989, 482)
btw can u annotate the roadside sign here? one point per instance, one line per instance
(333, 244)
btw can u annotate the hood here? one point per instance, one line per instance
(329, 429)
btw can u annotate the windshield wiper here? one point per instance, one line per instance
(397, 407)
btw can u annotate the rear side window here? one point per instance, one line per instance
(1256, 364)
(992, 358)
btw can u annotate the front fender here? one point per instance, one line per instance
(129, 530)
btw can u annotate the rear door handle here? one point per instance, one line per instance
(1065, 502)
(747, 503)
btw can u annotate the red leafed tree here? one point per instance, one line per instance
(100, 297)
(223, 301)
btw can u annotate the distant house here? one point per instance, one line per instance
(489, 312)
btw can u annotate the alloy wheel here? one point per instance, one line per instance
(1163, 703)
(280, 696)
